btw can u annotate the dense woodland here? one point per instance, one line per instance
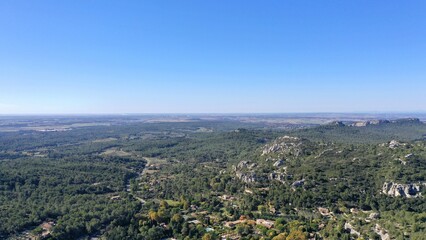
(183, 180)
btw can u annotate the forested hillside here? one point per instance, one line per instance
(215, 180)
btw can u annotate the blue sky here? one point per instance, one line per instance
(212, 56)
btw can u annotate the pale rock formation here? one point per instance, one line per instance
(249, 177)
(382, 232)
(374, 215)
(277, 176)
(351, 229)
(402, 190)
(394, 144)
(298, 183)
(279, 163)
(242, 164)
(284, 145)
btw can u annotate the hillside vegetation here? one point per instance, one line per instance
(209, 180)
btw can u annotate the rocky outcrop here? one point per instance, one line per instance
(402, 190)
(374, 215)
(278, 163)
(249, 177)
(281, 177)
(407, 121)
(382, 122)
(394, 144)
(242, 164)
(324, 211)
(360, 124)
(377, 122)
(298, 183)
(366, 123)
(252, 166)
(286, 145)
(382, 232)
(337, 123)
(243, 171)
(351, 229)
(402, 161)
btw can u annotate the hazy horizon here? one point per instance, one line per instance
(225, 114)
(80, 57)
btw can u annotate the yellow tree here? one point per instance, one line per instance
(281, 236)
(207, 236)
(296, 235)
(153, 216)
(164, 204)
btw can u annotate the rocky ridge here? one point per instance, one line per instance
(411, 190)
(286, 146)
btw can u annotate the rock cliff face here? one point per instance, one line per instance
(402, 190)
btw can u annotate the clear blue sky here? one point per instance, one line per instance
(215, 56)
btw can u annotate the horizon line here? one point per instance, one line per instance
(208, 113)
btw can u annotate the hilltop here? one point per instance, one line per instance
(372, 131)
